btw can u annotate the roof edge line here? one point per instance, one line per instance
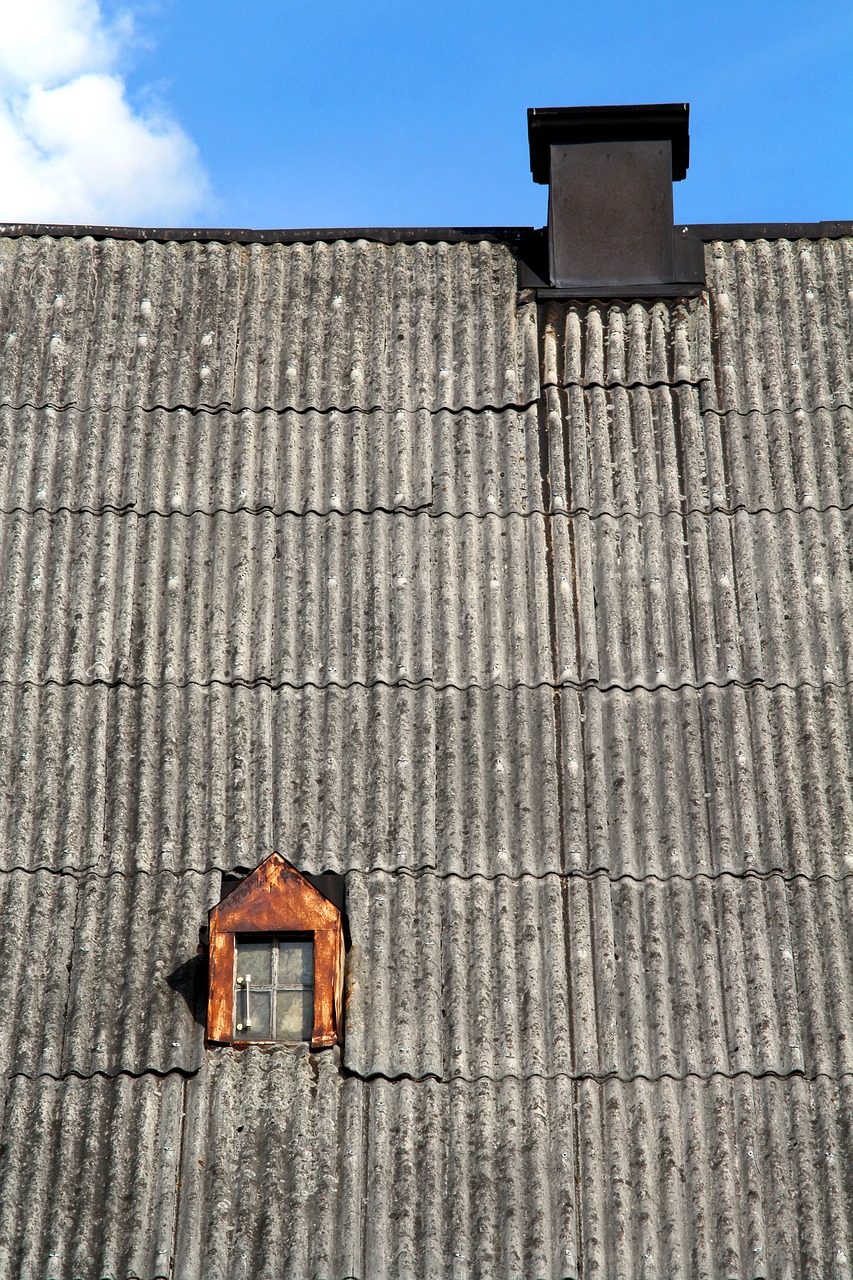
(830, 230)
(275, 235)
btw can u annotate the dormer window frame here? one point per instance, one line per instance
(275, 901)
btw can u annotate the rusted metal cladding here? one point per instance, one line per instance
(277, 899)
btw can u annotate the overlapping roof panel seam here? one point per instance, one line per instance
(226, 406)
(430, 871)
(403, 1077)
(428, 509)
(597, 1077)
(414, 686)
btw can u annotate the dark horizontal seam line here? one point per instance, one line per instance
(428, 683)
(603, 1077)
(430, 871)
(639, 385)
(185, 1073)
(226, 407)
(766, 410)
(740, 508)
(602, 873)
(675, 384)
(705, 410)
(427, 509)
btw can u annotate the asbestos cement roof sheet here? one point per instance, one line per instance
(216, 776)
(710, 976)
(783, 321)
(465, 979)
(679, 783)
(629, 344)
(654, 451)
(292, 600)
(707, 599)
(37, 913)
(772, 334)
(292, 1169)
(726, 1177)
(162, 461)
(53, 753)
(457, 978)
(88, 1176)
(113, 324)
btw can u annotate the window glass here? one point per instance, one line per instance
(294, 1015)
(274, 989)
(295, 963)
(254, 960)
(253, 1013)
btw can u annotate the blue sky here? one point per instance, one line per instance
(357, 114)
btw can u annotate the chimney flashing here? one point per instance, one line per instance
(610, 172)
(562, 126)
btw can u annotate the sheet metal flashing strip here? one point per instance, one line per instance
(410, 235)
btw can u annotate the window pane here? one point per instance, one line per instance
(254, 958)
(259, 1010)
(294, 1014)
(296, 963)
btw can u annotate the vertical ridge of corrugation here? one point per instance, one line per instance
(352, 775)
(36, 940)
(136, 950)
(66, 568)
(356, 325)
(645, 451)
(102, 324)
(784, 323)
(456, 978)
(693, 782)
(190, 786)
(53, 750)
(627, 344)
(717, 598)
(496, 780)
(125, 1134)
(703, 977)
(765, 1179)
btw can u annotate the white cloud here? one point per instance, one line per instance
(72, 147)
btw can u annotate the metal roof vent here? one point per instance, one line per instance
(610, 171)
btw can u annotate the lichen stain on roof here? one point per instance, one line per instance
(531, 619)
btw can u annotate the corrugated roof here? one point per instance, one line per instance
(105, 324)
(386, 1179)
(457, 978)
(679, 783)
(461, 978)
(738, 1177)
(552, 662)
(707, 599)
(88, 1176)
(165, 461)
(641, 451)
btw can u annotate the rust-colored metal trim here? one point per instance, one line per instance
(275, 898)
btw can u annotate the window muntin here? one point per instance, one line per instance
(274, 988)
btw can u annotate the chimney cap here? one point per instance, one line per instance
(547, 126)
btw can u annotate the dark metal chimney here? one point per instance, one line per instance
(610, 172)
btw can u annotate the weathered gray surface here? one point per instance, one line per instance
(727, 1177)
(380, 1178)
(164, 461)
(89, 1177)
(563, 690)
(115, 324)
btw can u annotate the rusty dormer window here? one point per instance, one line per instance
(276, 960)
